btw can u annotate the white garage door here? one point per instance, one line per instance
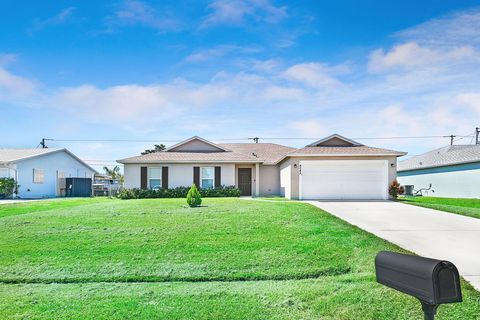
(344, 179)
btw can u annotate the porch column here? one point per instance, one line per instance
(257, 179)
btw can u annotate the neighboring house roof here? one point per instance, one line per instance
(266, 153)
(8, 155)
(12, 155)
(446, 156)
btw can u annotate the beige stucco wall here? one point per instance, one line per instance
(269, 180)
(290, 189)
(285, 179)
(179, 174)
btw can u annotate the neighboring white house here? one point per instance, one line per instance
(38, 171)
(331, 168)
(452, 172)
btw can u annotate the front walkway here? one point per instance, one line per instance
(427, 232)
(9, 201)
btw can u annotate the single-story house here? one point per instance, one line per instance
(42, 173)
(331, 168)
(452, 172)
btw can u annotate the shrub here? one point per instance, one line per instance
(179, 192)
(7, 187)
(194, 199)
(395, 189)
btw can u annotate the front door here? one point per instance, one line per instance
(245, 181)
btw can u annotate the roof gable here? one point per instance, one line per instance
(16, 155)
(196, 144)
(335, 140)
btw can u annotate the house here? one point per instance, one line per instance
(452, 171)
(331, 168)
(42, 173)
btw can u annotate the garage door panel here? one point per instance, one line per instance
(344, 179)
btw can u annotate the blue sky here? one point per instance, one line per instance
(236, 69)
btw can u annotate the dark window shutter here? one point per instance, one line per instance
(165, 177)
(196, 176)
(218, 177)
(143, 178)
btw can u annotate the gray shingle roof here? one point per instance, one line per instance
(11, 155)
(349, 151)
(270, 153)
(169, 156)
(266, 153)
(446, 156)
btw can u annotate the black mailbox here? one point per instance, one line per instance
(433, 282)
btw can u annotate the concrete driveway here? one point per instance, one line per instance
(427, 232)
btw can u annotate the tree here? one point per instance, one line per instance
(158, 147)
(114, 173)
(194, 199)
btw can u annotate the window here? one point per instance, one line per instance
(207, 176)
(38, 176)
(155, 178)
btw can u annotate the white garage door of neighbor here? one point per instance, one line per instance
(344, 179)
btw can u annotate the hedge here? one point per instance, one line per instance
(179, 192)
(7, 187)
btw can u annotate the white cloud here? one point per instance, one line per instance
(220, 51)
(7, 58)
(136, 104)
(280, 93)
(471, 100)
(447, 31)
(311, 128)
(138, 13)
(315, 75)
(235, 12)
(14, 86)
(58, 19)
(411, 54)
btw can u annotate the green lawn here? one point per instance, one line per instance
(466, 207)
(231, 259)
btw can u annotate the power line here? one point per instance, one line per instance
(255, 139)
(134, 140)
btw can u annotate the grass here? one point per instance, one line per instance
(465, 207)
(232, 258)
(44, 205)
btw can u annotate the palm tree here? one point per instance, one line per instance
(114, 173)
(158, 147)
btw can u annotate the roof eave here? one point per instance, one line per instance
(398, 154)
(189, 161)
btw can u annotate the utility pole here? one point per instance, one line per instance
(477, 134)
(451, 138)
(43, 144)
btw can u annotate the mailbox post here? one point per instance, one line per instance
(433, 282)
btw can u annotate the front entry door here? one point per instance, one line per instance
(245, 181)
